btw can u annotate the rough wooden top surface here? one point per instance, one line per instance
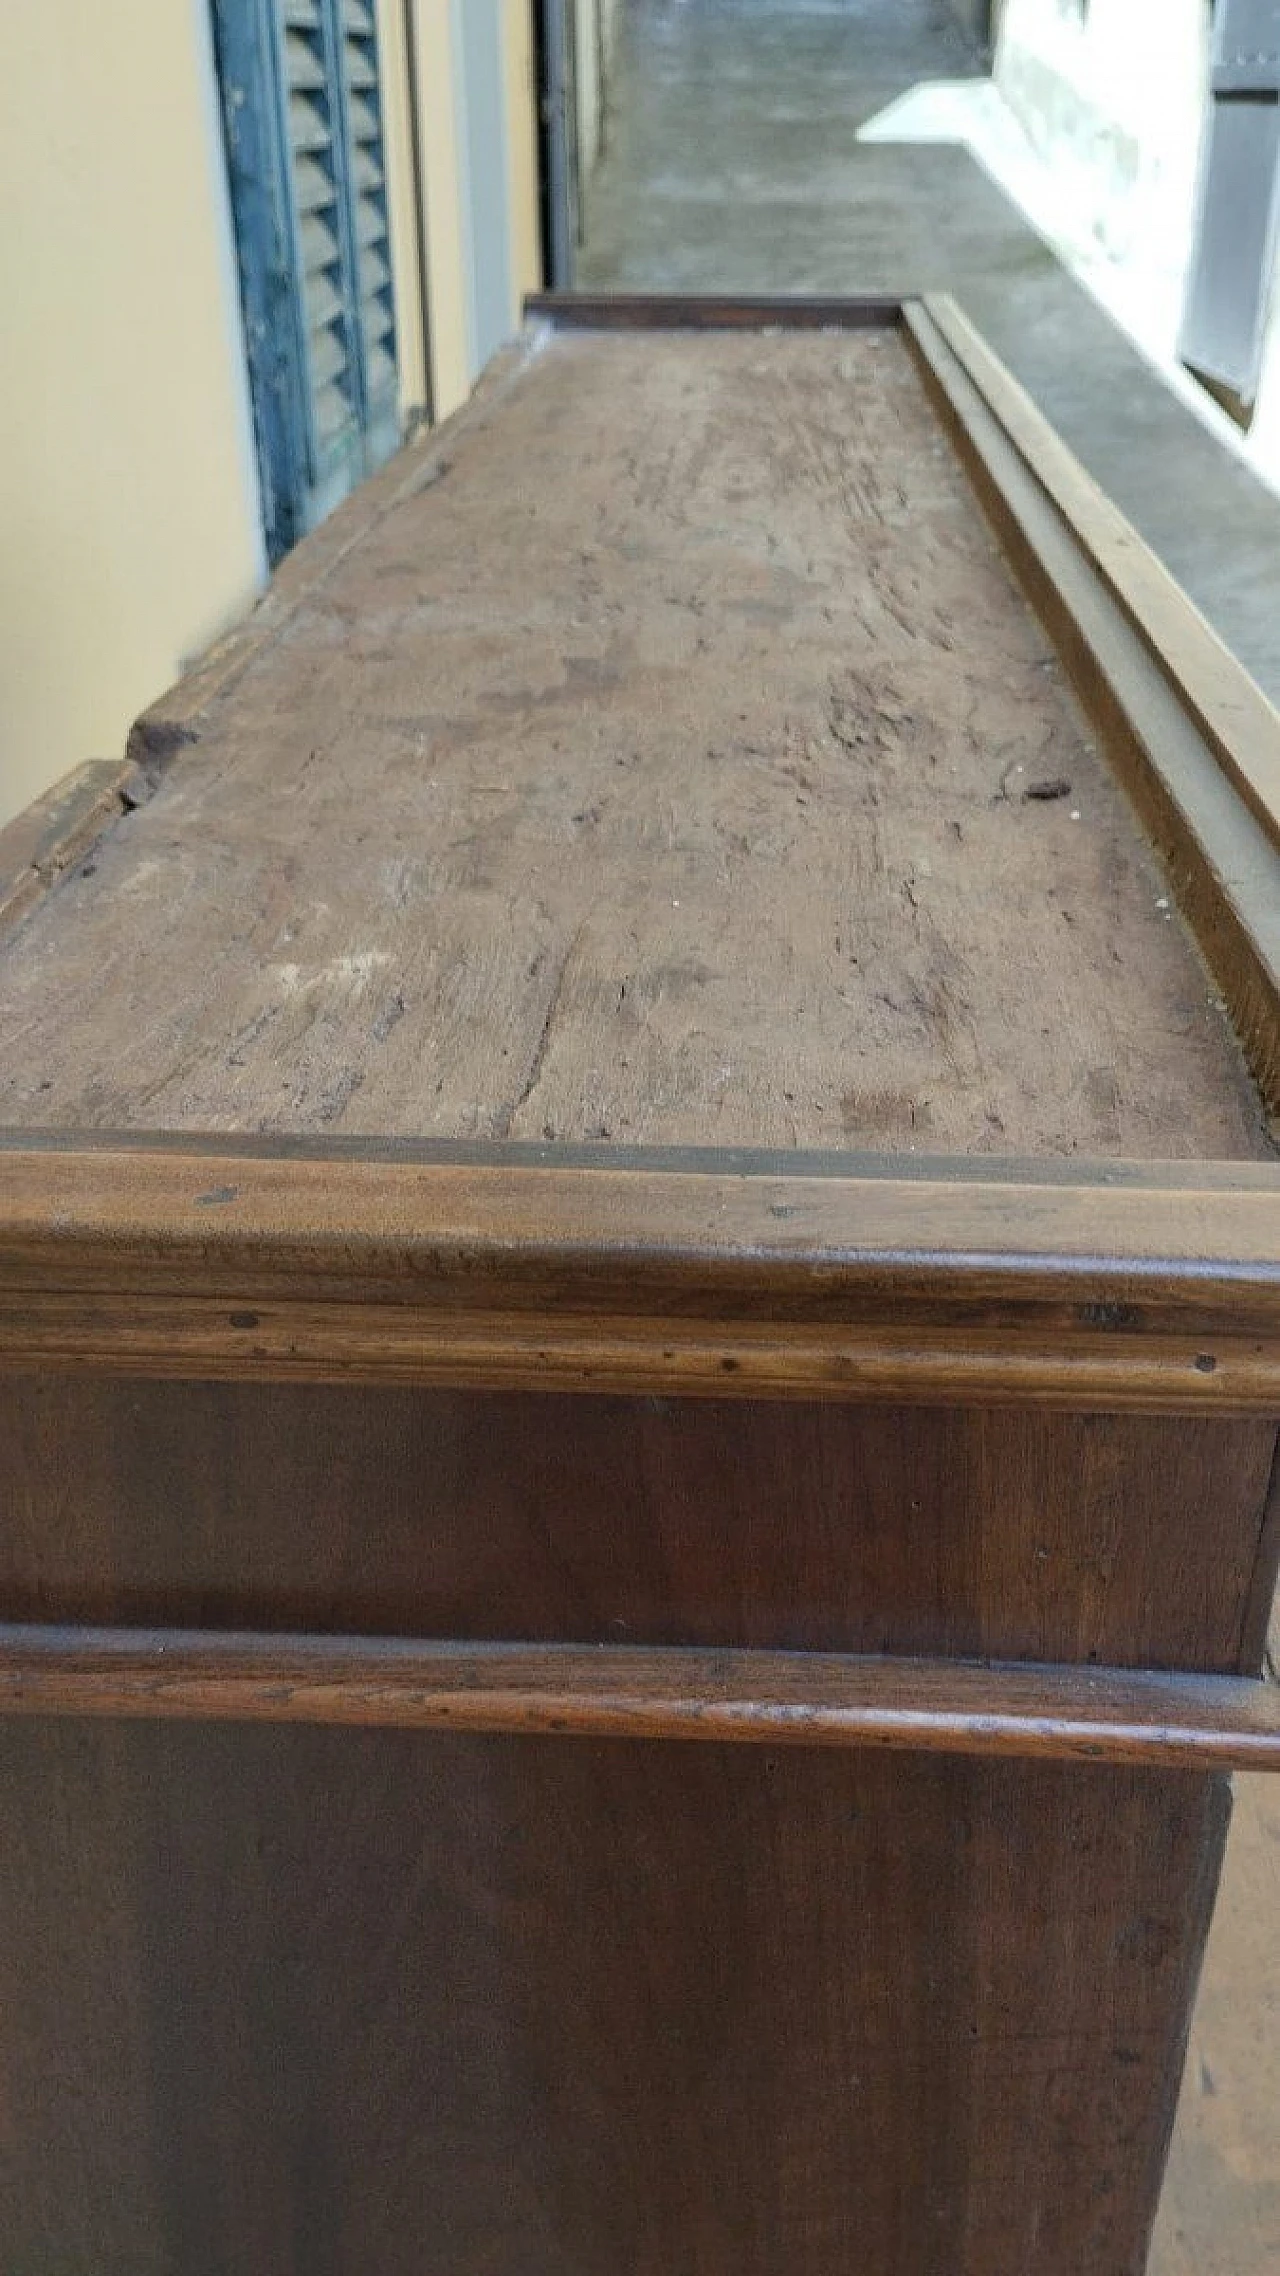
(681, 766)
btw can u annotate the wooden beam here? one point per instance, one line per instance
(740, 1697)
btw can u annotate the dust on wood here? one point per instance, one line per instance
(683, 767)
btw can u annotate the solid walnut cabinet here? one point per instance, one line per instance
(640, 1317)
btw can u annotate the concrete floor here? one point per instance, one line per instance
(732, 165)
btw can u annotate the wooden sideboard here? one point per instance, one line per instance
(640, 1353)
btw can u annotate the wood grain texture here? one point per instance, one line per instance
(671, 757)
(1009, 1534)
(617, 2008)
(609, 2012)
(806, 1699)
(58, 829)
(618, 2014)
(1106, 1291)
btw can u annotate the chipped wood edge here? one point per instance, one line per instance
(60, 828)
(173, 723)
(713, 312)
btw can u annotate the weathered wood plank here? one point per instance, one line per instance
(667, 756)
(41, 843)
(332, 2000)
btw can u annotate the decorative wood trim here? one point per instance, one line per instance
(1229, 708)
(342, 1265)
(1222, 857)
(1064, 1714)
(57, 829)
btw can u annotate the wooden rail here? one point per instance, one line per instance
(1229, 708)
(1192, 739)
(1108, 1715)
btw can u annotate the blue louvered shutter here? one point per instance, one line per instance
(303, 123)
(370, 225)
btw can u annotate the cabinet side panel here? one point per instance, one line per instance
(328, 2002)
(332, 2002)
(1126, 1539)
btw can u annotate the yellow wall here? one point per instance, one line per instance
(398, 153)
(129, 509)
(443, 145)
(128, 492)
(522, 130)
(441, 158)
